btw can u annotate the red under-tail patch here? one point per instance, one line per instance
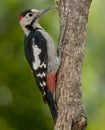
(20, 17)
(51, 79)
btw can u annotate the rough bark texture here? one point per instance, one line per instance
(73, 19)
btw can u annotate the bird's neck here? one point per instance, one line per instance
(36, 25)
(31, 27)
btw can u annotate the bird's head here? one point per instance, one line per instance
(28, 19)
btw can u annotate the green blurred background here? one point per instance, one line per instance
(21, 105)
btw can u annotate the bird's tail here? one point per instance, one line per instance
(52, 105)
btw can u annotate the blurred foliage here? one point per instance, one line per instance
(21, 105)
(93, 68)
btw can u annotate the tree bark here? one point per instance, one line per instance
(73, 18)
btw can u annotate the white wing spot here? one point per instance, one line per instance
(43, 65)
(44, 75)
(44, 93)
(36, 52)
(41, 75)
(41, 84)
(44, 83)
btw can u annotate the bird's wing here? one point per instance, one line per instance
(41, 61)
(36, 54)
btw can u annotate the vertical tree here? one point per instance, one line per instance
(73, 19)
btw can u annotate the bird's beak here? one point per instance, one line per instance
(42, 11)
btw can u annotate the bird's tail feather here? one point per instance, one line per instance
(52, 105)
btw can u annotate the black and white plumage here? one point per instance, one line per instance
(41, 55)
(36, 54)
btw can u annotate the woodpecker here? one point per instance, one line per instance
(41, 55)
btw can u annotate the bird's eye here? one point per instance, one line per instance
(30, 15)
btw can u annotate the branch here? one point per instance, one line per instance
(73, 19)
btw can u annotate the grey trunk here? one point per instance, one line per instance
(73, 19)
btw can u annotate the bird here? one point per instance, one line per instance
(41, 54)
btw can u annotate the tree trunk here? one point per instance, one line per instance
(73, 19)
